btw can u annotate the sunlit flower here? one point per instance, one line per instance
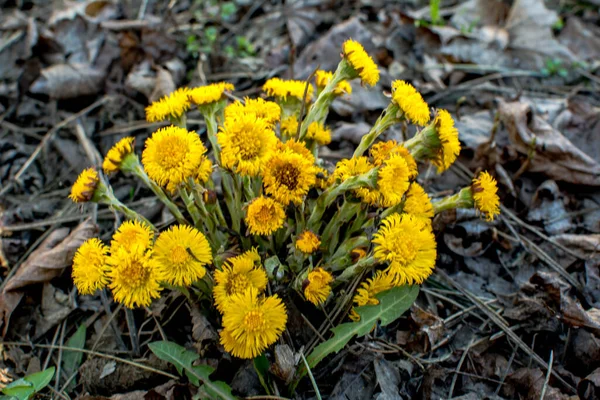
(173, 105)
(116, 154)
(318, 287)
(252, 323)
(319, 133)
(485, 195)
(448, 137)
(381, 151)
(348, 168)
(246, 143)
(283, 89)
(89, 266)
(358, 253)
(84, 187)
(392, 180)
(418, 202)
(267, 110)
(307, 242)
(365, 295)
(289, 126)
(362, 63)
(407, 243)
(182, 252)
(132, 235)
(172, 154)
(288, 176)
(134, 277)
(296, 147)
(323, 180)
(410, 102)
(322, 78)
(264, 216)
(208, 94)
(204, 171)
(237, 275)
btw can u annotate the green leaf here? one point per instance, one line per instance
(183, 359)
(26, 387)
(261, 366)
(72, 359)
(392, 304)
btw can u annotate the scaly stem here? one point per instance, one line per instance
(462, 199)
(359, 267)
(388, 117)
(211, 132)
(190, 206)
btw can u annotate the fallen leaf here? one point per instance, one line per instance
(201, 328)
(555, 156)
(581, 38)
(48, 261)
(55, 307)
(66, 81)
(589, 388)
(163, 85)
(548, 207)
(529, 384)
(388, 379)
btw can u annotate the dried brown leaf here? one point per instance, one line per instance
(589, 388)
(66, 81)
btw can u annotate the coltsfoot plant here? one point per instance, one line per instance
(277, 219)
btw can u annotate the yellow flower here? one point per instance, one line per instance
(84, 187)
(448, 136)
(264, 216)
(182, 253)
(204, 171)
(267, 110)
(307, 242)
(173, 106)
(407, 243)
(288, 176)
(296, 147)
(289, 126)
(252, 323)
(276, 87)
(365, 295)
(132, 235)
(364, 65)
(319, 133)
(323, 180)
(318, 287)
(89, 266)
(392, 180)
(322, 78)
(358, 253)
(237, 275)
(208, 94)
(348, 168)
(418, 202)
(381, 151)
(172, 154)
(134, 277)
(246, 143)
(485, 195)
(116, 154)
(410, 102)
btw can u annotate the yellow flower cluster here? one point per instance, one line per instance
(252, 184)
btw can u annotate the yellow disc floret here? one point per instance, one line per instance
(418, 202)
(89, 266)
(393, 180)
(132, 235)
(267, 110)
(307, 242)
(282, 89)
(264, 216)
(288, 176)
(173, 106)
(203, 95)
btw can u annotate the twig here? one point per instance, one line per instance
(88, 147)
(547, 375)
(458, 367)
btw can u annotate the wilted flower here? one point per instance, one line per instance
(318, 287)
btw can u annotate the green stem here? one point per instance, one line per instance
(462, 199)
(190, 206)
(388, 117)
(211, 132)
(128, 212)
(354, 270)
(231, 200)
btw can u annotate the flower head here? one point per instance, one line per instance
(132, 235)
(173, 106)
(318, 287)
(485, 195)
(237, 275)
(116, 154)
(448, 137)
(267, 110)
(264, 216)
(89, 266)
(319, 133)
(322, 78)
(348, 168)
(182, 252)
(307, 242)
(252, 323)
(297, 148)
(381, 151)
(407, 243)
(246, 144)
(203, 95)
(276, 87)
(85, 186)
(410, 102)
(417, 202)
(134, 277)
(365, 295)
(204, 171)
(172, 154)
(288, 176)
(289, 126)
(392, 180)
(361, 62)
